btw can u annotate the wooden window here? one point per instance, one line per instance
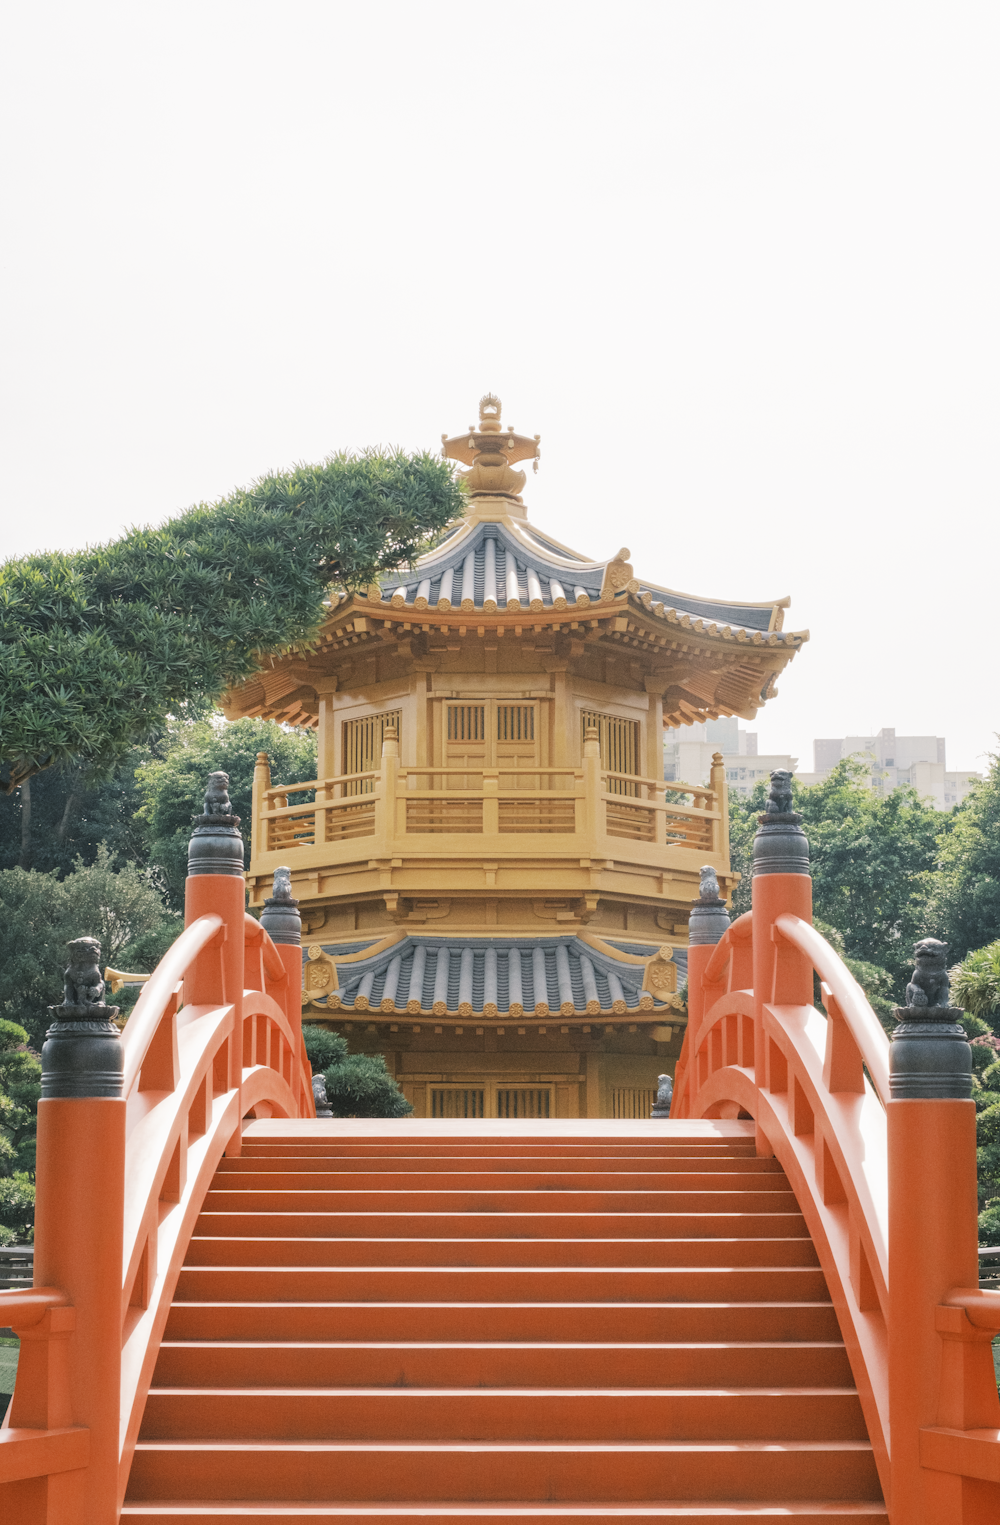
(619, 747)
(467, 722)
(363, 747)
(516, 722)
(632, 1101)
(457, 1101)
(525, 1101)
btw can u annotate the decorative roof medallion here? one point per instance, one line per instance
(490, 454)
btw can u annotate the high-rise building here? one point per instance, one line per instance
(892, 761)
(688, 752)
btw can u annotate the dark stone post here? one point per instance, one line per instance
(215, 886)
(707, 924)
(82, 1052)
(782, 885)
(280, 917)
(79, 1223)
(281, 921)
(937, 1374)
(929, 1056)
(709, 919)
(780, 846)
(216, 846)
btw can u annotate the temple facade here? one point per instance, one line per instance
(495, 880)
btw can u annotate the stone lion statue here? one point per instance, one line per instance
(929, 985)
(217, 795)
(780, 799)
(82, 983)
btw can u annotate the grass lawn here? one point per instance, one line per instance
(8, 1366)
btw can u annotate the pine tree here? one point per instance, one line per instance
(96, 646)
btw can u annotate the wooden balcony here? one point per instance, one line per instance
(401, 817)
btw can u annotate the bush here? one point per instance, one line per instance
(325, 1048)
(17, 1209)
(985, 1053)
(988, 1152)
(989, 1223)
(361, 1086)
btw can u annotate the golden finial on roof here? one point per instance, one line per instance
(490, 458)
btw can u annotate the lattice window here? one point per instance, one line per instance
(466, 722)
(363, 740)
(524, 1101)
(515, 722)
(457, 1101)
(619, 747)
(632, 1101)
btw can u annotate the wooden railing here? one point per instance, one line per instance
(398, 803)
(887, 1188)
(215, 1037)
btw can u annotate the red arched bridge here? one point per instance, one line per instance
(764, 1307)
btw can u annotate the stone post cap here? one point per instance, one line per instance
(280, 917)
(929, 1055)
(780, 846)
(82, 1053)
(216, 846)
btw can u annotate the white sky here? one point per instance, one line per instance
(736, 262)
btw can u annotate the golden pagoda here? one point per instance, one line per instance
(495, 879)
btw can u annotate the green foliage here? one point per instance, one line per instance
(357, 1085)
(988, 1152)
(73, 811)
(873, 858)
(324, 1048)
(41, 913)
(17, 1209)
(97, 646)
(362, 1087)
(20, 1091)
(989, 1223)
(966, 904)
(874, 862)
(171, 785)
(742, 829)
(975, 984)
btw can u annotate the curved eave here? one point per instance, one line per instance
(657, 636)
(524, 571)
(496, 979)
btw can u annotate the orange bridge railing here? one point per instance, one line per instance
(131, 1129)
(878, 1141)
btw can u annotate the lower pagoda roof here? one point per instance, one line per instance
(514, 977)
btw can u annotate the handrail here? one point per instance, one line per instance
(140, 1030)
(273, 967)
(659, 783)
(980, 1305)
(320, 783)
(632, 802)
(864, 1025)
(737, 930)
(23, 1308)
(488, 770)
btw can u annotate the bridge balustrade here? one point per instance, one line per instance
(883, 1166)
(128, 1142)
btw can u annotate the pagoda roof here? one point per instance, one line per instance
(490, 564)
(492, 977)
(710, 656)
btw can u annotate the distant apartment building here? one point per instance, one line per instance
(687, 755)
(892, 761)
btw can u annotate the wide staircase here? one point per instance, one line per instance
(382, 1323)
